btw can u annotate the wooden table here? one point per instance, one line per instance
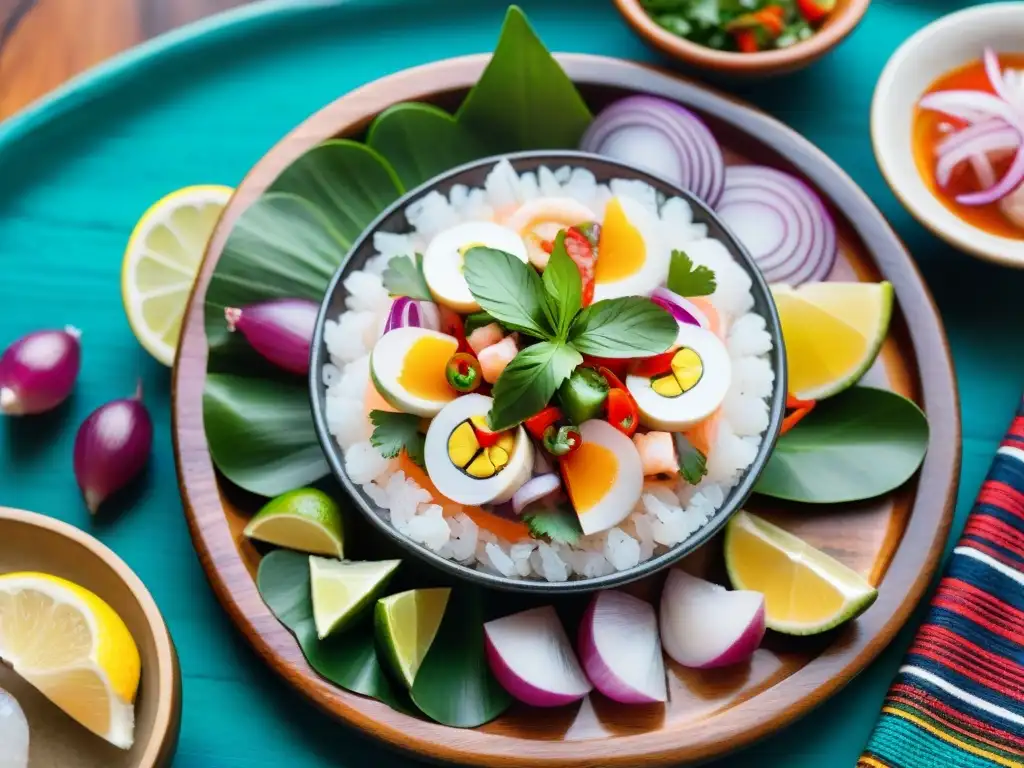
(45, 42)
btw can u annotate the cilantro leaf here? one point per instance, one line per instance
(627, 327)
(564, 288)
(558, 523)
(529, 382)
(404, 277)
(509, 290)
(393, 432)
(687, 280)
(693, 463)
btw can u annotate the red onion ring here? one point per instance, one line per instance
(981, 144)
(405, 313)
(759, 199)
(957, 139)
(969, 105)
(621, 130)
(683, 310)
(534, 490)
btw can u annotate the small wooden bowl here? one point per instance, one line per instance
(840, 23)
(37, 543)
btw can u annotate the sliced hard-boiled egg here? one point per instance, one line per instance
(539, 221)
(408, 369)
(604, 476)
(691, 388)
(445, 257)
(632, 256)
(467, 462)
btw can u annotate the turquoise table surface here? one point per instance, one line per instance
(202, 106)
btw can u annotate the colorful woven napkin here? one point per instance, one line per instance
(958, 700)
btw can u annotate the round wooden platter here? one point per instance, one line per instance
(894, 541)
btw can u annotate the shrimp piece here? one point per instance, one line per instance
(704, 435)
(485, 336)
(703, 303)
(539, 221)
(657, 453)
(495, 358)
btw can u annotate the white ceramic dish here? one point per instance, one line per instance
(944, 45)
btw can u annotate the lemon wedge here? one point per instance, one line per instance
(805, 590)
(74, 648)
(832, 332)
(162, 260)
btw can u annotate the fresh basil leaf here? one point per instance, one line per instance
(477, 320)
(404, 277)
(693, 464)
(528, 383)
(395, 432)
(856, 445)
(524, 99)
(564, 288)
(628, 327)
(509, 290)
(688, 280)
(558, 523)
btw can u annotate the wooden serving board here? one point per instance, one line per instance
(895, 541)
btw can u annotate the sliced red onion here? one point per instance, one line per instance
(534, 490)
(112, 447)
(995, 75)
(430, 316)
(971, 106)
(1001, 139)
(956, 139)
(405, 313)
(541, 465)
(281, 330)
(683, 310)
(782, 223)
(662, 137)
(38, 371)
(983, 170)
(1012, 179)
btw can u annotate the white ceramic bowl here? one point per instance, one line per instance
(944, 45)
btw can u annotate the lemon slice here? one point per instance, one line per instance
(342, 589)
(406, 626)
(306, 520)
(805, 590)
(832, 332)
(74, 648)
(162, 260)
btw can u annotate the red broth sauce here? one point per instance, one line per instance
(931, 127)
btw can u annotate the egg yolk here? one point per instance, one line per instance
(621, 249)
(687, 370)
(590, 473)
(467, 454)
(423, 369)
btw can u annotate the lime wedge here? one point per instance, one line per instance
(306, 520)
(342, 589)
(406, 626)
(833, 332)
(805, 590)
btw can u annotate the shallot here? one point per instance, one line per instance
(281, 330)
(112, 447)
(38, 372)
(534, 490)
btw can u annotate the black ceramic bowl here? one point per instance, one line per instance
(473, 175)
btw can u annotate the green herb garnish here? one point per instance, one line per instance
(557, 524)
(693, 464)
(714, 23)
(688, 280)
(393, 432)
(404, 277)
(548, 309)
(477, 320)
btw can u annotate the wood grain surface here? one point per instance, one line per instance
(45, 42)
(896, 541)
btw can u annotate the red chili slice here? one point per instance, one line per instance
(451, 324)
(654, 366)
(537, 424)
(622, 411)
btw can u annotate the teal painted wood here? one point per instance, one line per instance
(201, 105)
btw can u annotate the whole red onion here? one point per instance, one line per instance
(38, 371)
(112, 447)
(280, 329)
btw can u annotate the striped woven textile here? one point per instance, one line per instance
(958, 699)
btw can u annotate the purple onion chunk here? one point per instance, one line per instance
(38, 371)
(112, 447)
(281, 330)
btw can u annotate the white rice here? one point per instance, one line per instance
(666, 514)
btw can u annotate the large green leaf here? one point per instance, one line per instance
(422, 141)
(524, 99)
(260, 433)
(454, 684)
(857, 445)
(349, 658)
(349, 182)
